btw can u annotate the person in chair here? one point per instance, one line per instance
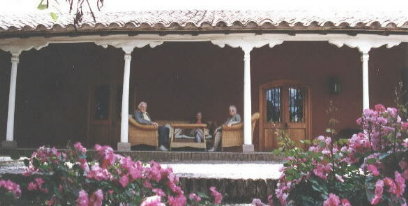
(143, 117)
(234, 118)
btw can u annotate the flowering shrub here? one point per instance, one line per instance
(9, 191)
(370, 169)
(72, 178)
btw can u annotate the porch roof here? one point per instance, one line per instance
(184, 21)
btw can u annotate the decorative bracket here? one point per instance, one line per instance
(128, 45)
(16, 45)
(365, 45)
(246, 44)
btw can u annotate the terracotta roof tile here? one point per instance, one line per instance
(208, 20)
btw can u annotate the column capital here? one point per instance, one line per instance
(247, 49)
(365, 57)
(15, 58)
(127, 56)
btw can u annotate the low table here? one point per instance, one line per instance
(180, 142)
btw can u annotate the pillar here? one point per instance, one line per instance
(124, 144)
(248, 145)
(366, 95)
(10, 142)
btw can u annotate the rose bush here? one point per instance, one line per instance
(371, 168)
(72, 178)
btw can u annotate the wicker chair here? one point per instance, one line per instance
(234, 136)
(142, 134)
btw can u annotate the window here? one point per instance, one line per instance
(296, 105)
(101, 102)
(273, 105)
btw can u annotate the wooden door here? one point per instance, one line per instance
(284, 105)
(103, 115)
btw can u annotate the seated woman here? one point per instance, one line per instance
(143, 117)
(198, 133)
(234, 118)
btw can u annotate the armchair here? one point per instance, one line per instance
(234, 136)
(142, 134)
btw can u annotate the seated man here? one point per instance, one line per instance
(143, 117)
(234, 118)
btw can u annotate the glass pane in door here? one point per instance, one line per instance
(101, 103)
(273, 105)
(296, 105)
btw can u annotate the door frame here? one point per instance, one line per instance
(113, 121)
(277, 83)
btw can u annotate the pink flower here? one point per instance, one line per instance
(392, 187)
(124, 180)
(96, 198)
(404, 126)
(270, 200)
(32, 186)
(339, 178)
(98, 173)
(179, 200)
(147, 184)
(194, 197)
(379, 108)
(152, 201)
(282, 192)
(333, 200)
(379, 188)
(159, 192)
(257, 202)
(82, 199)
(392, 111)
(37, 184)
(106, 154)
(155, 171)
(400, 182)
(11, 187)
(78, 146)
(373, 169)
(84, 164)
(322, 170)
(216, 195)
(345, 202)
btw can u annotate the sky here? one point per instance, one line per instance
(28, 6)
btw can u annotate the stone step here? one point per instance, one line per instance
(239, 182)
(179, 156)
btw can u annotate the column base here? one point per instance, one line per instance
(8, 144)
(247, 148)
(123, 146)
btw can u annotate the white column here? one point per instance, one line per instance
(366, 95)
(124, 127)
(12, 98)
(248, 146)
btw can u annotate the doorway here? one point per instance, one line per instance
(104, 111)
(284, 105)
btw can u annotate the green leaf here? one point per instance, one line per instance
(54, 16)
(26, 162)
(42, 6)
(371, 161)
